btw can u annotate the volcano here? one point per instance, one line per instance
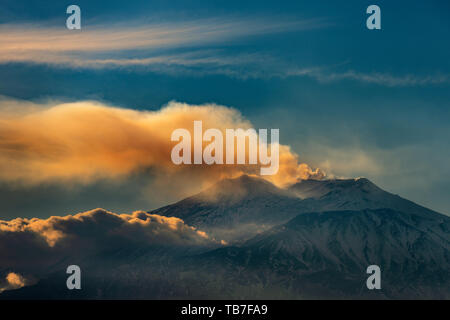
(314, 239)
(237, 209)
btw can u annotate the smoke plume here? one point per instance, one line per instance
(85, 141)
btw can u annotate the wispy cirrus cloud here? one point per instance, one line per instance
(378, 78)
(181, 47)
(38, 44)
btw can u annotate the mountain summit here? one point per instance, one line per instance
(352, 194)
(237, 209)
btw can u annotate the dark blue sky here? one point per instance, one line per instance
(353, 101)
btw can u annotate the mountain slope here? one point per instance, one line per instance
(319, 255)
(235, 209)
(352, 194)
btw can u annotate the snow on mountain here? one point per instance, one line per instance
(325, 255)
(237, 209)
(352, 194)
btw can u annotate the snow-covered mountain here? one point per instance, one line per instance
(325, 255)
(352, 194)
(236, 209)
(312, 240)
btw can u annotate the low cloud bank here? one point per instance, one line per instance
(37, 246)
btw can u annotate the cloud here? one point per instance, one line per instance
(85, 141)
(180, 47)
(99, 45)
(39, 243)
(36, 247)
(13, 281)
(379, 78)
(386, 79)
(350, 162)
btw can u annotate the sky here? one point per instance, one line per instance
(348, 100)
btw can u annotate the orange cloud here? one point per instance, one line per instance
(149, 227)
(13, 281)
(85, 141)
(59, 46)
(34, 247)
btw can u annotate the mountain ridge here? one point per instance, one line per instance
(252, 204)
(314, 249)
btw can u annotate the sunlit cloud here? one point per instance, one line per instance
(99, 45)
(180, 47)
(13, 281)
(85, 141)
(58, 231)
(34, 246)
